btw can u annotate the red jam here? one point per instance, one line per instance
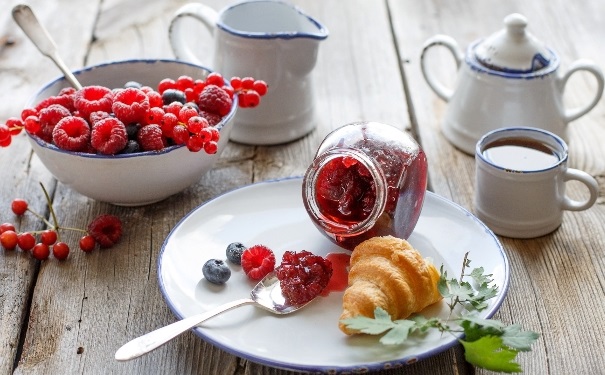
(340, 273)
(367, 179)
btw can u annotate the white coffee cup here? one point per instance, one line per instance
(520, 179)
(269, 40)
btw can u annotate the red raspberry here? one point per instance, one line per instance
(66, 101)
(212, 118)
(150, 138)
(106, 230)
(214, 99)
(303, 276)
(109, 136)
(130, 105)
(72, 134)
(49, 117)
(258, 261)
(98, 116)
(91, 99)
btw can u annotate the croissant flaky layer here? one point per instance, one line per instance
(388, 272)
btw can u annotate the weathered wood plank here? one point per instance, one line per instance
(554, 278)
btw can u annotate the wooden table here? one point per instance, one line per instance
(70, 317)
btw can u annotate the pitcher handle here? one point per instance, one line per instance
(589, 181)
(203, 13)
(590, 67)
(448, 42)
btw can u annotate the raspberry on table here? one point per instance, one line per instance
(130, 105)
(109, 136)
(215, 100)
(106, 230)
(93, 98)
(258, 261)
(150, 138)
(72, 134)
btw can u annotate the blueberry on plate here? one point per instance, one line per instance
(234, 252)
(216, 271)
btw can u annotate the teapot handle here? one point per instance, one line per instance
(176, 32)
(449, 43)
(590, 67)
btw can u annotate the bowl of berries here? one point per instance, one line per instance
(138, 131)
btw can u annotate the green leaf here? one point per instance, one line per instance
(372, 326)
(517, 339)
(399, 333)
(479, 277)
(490, 353)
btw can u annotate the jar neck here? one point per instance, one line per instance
(329, 224)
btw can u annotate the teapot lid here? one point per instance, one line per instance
(513, 49)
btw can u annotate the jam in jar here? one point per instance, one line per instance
(367, 179)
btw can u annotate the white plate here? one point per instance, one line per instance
(272, 213)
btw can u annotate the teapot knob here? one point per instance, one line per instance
(515, 25)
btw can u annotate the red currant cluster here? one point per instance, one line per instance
(105, 230)
(136, 118)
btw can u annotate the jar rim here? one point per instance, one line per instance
(331, 226)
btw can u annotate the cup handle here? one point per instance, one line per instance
(203, 13)
(591, 184)
(590, 67)
(448, 42)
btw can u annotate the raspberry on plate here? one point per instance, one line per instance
(257, 261)
(109, 136)
(71, 133)
(215, 100)
(303, 276)
(130, 105)
(90, 99)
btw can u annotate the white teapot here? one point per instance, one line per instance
(507, 79)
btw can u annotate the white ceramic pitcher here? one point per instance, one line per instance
(265, 39)
(507, 79)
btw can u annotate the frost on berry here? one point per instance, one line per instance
(90, 99)
(109, 136)
(106, 230)
(49, 117)
(215, 100)
(72, 134)
(130, 105)
(150, 138)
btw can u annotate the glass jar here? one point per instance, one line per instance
(367, 179)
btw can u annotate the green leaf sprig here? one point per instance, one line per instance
(488, 343)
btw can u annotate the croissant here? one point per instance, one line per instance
(388, 272)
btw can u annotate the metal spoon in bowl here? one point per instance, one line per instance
(26, 19)
(266, 294)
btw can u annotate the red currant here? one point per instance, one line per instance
(87, 243)
(41, 251)
(6, 141)
(251, 98)
(184, 82)
(60, 250)
(166, 84)
(196, 123)
(25, 113)
(215, 78)
(195, 143)
(6, 226)
(180, 134)
(26, 241)
(8, 239)
(19, 206)
(248, 83)
(15, 125)
(236, 83)
(211, 147)
(32, 124)
(260, 87)
(48, 237)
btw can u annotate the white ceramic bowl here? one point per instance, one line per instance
(129, 179)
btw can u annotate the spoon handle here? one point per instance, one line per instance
(152, 340)
(27, 20)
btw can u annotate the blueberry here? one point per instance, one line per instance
(132, 130)
(216, 271)
(131, 147)
(173, 95)
(234, 252)
(134, 84)
(192, 105)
